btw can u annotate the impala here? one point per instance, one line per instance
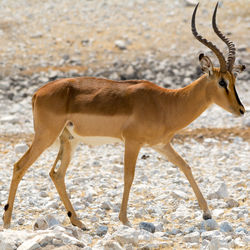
(136, 112)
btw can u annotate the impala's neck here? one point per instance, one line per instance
(190, 102)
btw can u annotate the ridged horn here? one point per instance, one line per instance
(210, 45)
(230, 45)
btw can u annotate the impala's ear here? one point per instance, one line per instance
(238, 69)
(206, 64)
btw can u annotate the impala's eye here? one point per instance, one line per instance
(223, 83)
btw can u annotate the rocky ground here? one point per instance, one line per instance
(123, 40)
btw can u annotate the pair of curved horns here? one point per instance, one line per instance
(224, 66)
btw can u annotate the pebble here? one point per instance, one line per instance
(21, 221)
(189, 3)
(208, 235)
(121, 44)
(101, 230)
(125, 235)
(241, 229)
(106, 205)
(239, 243)
(215, 244)
(179, 194)
(21, 148)
(9, 119)
(232, 203)
(246, 122)
(111, 244)
(221, 193)
(208, 225)
(217, 213)
(147, 226)
(192, 237)
(4, 85)
(226, 227)
(41, 224)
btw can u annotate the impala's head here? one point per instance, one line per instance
(223, 78)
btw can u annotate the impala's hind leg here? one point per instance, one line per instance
(67, 145)
(39, 144)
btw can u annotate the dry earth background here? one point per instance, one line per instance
(45, 40)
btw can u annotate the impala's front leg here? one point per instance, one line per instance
(176, 159)
(130, 156)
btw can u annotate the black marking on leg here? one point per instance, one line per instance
(207, 216)
(69, 214)
(6, 207)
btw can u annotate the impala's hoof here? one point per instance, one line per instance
(207, 216)
(77, 223)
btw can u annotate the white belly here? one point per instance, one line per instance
(93, 140)
(97, 140)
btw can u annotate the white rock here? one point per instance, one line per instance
(156, 245)
(6, 244)
(118, 168)
(10, 239)
(29, 245)
(246, 121)
(218, 212)
(130, 72)
(208, 235)
(145, 236)
(5, 85)
(221, 193)
(41, 224)
(57, 242)
(179, 194)
(106, 205)
(112, 245)
(192, 237)
(114, 76)
(9, 119)
(239, 243)
(43, 194)
(241, 230)
(121, 44)
(52, 204)
(51, 220)
(21, 148)
(126, 235)
(226, 227)
(20, 221)
(232, 203)
(190, 2)
(159, 227)
(214, 244)
(208, 225)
